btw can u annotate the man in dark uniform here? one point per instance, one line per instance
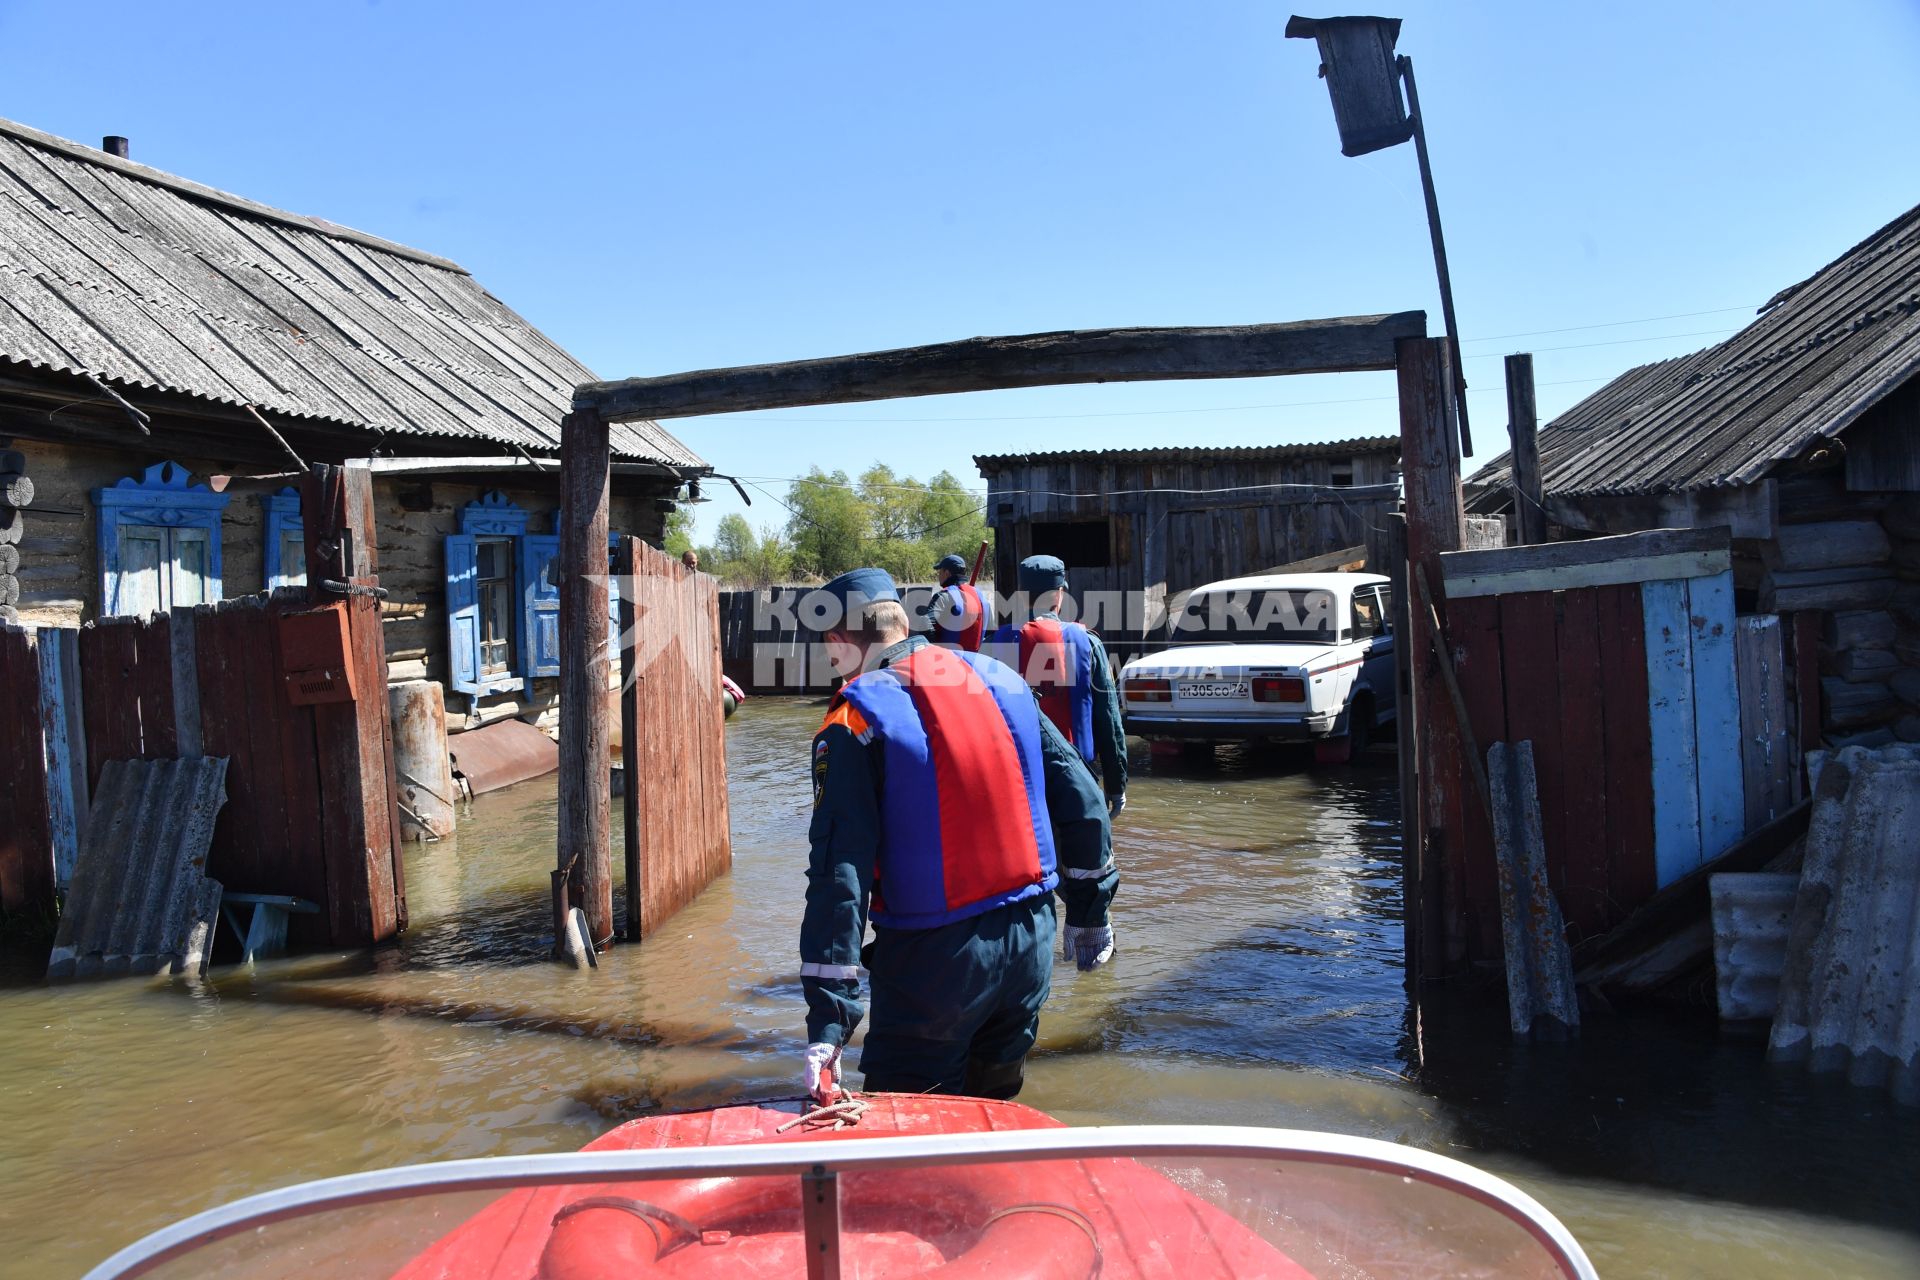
(1066, 665)
(947, 810)
(958, 614)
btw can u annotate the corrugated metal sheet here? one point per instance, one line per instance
(150, 281)
(140, 901)
(1850, 992)
(1750, 915)
(1822, 353)
(502, 754)
(991, 463)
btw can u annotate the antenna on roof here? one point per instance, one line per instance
(114, 145)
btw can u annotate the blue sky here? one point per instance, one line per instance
(668, 186)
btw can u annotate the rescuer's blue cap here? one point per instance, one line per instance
(857, 588)
(1042, 573)
(956, 563)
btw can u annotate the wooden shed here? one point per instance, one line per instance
(169, 356)
(1151, 523)
(1800, 436)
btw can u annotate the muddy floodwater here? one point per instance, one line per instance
(1257, 982)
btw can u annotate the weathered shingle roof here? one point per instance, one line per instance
(1822, 353)
(989, 463)
(151, 281)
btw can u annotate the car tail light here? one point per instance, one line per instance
(1149, 690)
(1279, 689)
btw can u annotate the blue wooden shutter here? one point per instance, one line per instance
(540, 597)
(463, 612)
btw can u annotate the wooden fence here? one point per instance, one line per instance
(1616, 659)
(766, 646)
(673, 736)
(310, 806)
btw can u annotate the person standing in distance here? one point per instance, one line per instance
(945, 809)
(959, 616)
(1066, 665)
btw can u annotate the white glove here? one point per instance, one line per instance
(823, 1072)
(1088, 948)
(1115, 805)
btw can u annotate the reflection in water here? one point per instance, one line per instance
(1257, 982)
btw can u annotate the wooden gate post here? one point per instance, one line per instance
(1436, 522)
(1523, 426)
(634, 821)
(585, 747)
(360, 814)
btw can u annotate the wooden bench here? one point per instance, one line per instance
(265, 933)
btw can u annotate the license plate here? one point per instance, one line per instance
(1213, 689)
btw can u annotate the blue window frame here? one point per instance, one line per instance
(283, 537)
(503, 605)
(159, 542)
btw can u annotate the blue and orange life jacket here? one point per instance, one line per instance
(1057, 659)
(973, 618)
(960, 740)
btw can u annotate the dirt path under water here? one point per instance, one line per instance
(1257, 982)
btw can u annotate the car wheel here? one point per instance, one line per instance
(1352, 745)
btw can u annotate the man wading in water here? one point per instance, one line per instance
(947, 808)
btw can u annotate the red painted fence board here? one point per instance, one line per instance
(1583, 880)
(26, 839)
(676, 754)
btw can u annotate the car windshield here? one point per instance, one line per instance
(1271, 616)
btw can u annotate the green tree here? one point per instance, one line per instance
(734, 539)
(679, 534)
(950, 519)
(828, 527)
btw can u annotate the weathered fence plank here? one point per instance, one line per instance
(1766, 745)
(1676, 770)
(1716, 713)
(26, 841)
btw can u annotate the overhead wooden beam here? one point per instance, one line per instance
(1347, 343)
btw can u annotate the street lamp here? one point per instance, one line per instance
(1363, 78)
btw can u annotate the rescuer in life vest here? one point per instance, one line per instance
(1066, 665)
(947, 810)
(959, 614)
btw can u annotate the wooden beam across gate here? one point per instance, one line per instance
(1344, 344)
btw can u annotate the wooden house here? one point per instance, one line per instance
(1152, 523)
(170, 357)
(1800, 435)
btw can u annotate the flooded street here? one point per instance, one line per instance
(1257, 982)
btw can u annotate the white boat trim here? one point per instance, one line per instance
(748, 1159)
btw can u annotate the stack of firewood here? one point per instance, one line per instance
(16, 494)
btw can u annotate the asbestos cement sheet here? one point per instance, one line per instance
(1850, 989)
(140, 902)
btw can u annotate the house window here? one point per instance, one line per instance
(159, 541)
(503, 613)
(284, 542)
(1083, 544)
(494, 582)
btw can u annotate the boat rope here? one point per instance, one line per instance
(843, 1114)
(1074, 1216)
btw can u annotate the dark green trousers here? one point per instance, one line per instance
(956, 1008)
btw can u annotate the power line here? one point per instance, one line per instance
(1609, 324)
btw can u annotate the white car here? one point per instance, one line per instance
(1304, 657)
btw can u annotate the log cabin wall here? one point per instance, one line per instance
(59, 549)
(414, 517)
(59, 568)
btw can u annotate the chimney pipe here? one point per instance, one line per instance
(114, 145)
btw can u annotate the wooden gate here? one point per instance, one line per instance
(673, 735)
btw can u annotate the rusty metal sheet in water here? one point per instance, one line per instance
(502, 754)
